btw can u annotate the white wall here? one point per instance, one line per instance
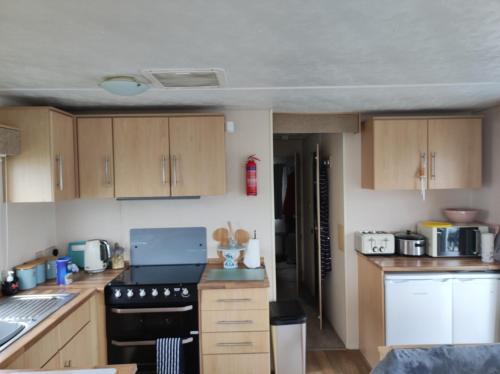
(30, 228)
(112, 220)
(381, 210)
(489, 198)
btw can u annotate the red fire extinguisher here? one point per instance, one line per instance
(251, 174)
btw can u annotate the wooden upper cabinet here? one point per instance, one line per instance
(141, 155)
(63, 152)
(448, 150)
(95, 157)
(393, 153)
(197, 156)
(455, 153)
(45, 169)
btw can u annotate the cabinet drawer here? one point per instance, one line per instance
(41, 352)
(235, 342)
(234, 320)
(74, 323)
(234, 299)
(242, 364)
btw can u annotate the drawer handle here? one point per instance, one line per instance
(67, 364)
(233, 300)
(235, 344)
(245, 322)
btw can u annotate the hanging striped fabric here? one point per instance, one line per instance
(169, 356)
(324, 211)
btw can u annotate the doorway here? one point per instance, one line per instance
(299, 211)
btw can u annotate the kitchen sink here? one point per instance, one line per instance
(19, 314)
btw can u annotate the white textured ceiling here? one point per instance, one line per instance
(289, 55)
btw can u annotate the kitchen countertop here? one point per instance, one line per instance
(120, 369)
(85, 285)
(219, 284)
(83, 280)
(429, 264)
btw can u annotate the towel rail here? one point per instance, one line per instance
(137, 343)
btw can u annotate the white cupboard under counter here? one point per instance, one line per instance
(423, 300)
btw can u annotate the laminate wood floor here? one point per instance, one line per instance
(336, 362)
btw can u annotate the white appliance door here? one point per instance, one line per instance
(418, 309)
(475, 308)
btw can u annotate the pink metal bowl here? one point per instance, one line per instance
(457, 215)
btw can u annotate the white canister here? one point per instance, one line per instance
(487, 246)
(252, 254)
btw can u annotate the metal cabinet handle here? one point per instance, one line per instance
(433, 165)
(233, 300)
(235, 344)
(245, 322)
(174, 169)
(163, 170)
(60, 167)
(107, 174)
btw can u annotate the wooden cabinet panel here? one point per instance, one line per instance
(235, 342)
(95, 157)
(241, 364)
(79, 352)
(40, 352)
(63, 155)
(54, 363)
(455, 153)
(74, 322)
(235, 320)
(18, 363)
(392, 153)
(141, 152)
(197, 156)
(234, 299)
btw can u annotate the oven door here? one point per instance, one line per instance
(132, 334)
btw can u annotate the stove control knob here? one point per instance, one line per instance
(374, 249)
(381, 249)
(118, 294)
(130, 293)
(154, 292)
(142, 293)
(166, 292)
(185, 292)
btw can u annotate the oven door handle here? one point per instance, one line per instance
(186, 308)
(137, 343)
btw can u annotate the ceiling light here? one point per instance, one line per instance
(123, 86)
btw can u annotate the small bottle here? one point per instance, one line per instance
(11, 284)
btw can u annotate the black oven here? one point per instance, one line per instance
(132, 332)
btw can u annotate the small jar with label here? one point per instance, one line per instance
(118, 257)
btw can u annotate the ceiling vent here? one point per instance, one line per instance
(186, 78)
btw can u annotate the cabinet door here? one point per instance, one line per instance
(141, 148)
(475, 310)
(95, 157)
(54, 363)
(80, 352)
(197, 156)
(455, 148)
(418, 311)
(63, 155)
(399, 150)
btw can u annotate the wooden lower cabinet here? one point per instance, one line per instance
(71, 343)
(240, 364)
(54, 363)
(234, 325)
(80, 351)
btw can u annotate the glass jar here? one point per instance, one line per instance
(118, 257)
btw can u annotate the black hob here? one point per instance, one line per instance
(153, 285)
